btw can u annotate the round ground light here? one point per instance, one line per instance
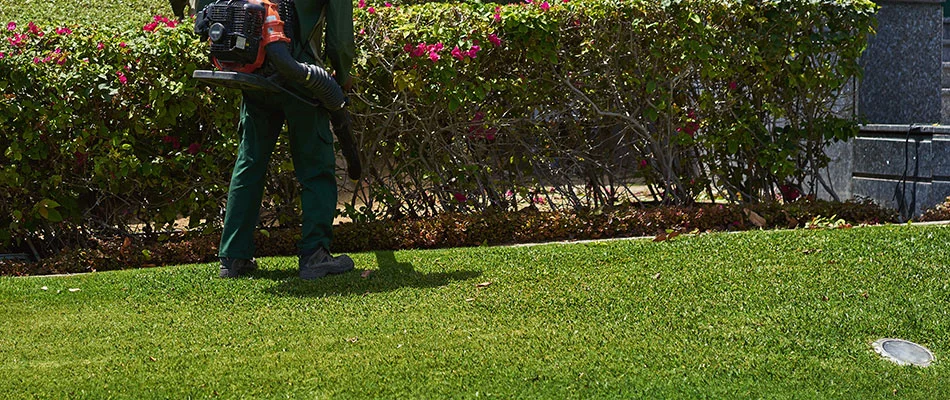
(903, 352)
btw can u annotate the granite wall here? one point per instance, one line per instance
(902, 64)
(904, 167)
(901, 158)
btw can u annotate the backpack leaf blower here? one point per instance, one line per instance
(250, 48)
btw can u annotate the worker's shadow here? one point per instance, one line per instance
(388, 275)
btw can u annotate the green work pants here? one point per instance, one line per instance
(311, 147)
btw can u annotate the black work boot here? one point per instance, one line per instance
(236, 267)
(319, 263)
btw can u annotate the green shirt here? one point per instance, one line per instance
(340, 49)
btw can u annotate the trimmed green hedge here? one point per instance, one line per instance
(459, 107)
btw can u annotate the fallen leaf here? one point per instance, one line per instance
(74, 289)
(660, 237)
(672, 235)
(152, 358)
(470, 299)
(657, 276)
(44, 288)
(824, 298)
(126, 244)
(353, 339)
(755, 218)
(482, 285)
(810, 251)
(366, 273)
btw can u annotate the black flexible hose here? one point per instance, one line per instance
(317, 81)
(312, 78)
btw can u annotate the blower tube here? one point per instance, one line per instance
(318, 82)
(312, 78)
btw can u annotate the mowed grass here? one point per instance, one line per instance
(748, 315)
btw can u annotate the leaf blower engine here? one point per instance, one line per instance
(250, 47)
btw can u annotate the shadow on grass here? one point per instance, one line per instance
(389, 275)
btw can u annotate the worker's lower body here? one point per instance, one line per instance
(181, 8)
(311, 146)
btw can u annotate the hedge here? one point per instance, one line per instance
(459, 108)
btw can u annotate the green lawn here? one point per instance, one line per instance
(749, 315)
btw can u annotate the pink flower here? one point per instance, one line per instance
(11, 26)
(173, 141)
(436, 47)
(16, 40)
(35, 29)
(362, 4)
(2, 54)
(497, 15)
(388, 4)
(789, 193)
(419, 50)
(61, 61)
(457, 53)
(63, 31)
(565, 1)
(434, 56)
(643, 163)
(36, 60)
(460, 197)
(194, 148)
(472, 52)
(362, 31)
(99, 46)
(538, 200)
(150, 27)
(545, 6)
(509, 193)
(733, 85)
(122, 44)
(122, 79)
(494, 39)
(371, 10)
